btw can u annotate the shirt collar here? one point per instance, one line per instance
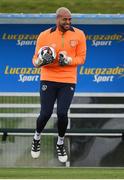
(55, 28)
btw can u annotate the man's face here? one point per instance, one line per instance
(64, 22)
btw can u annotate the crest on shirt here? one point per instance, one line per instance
(73, 43)
(44, 87)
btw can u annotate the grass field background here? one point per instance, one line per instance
(76, 6)
(62, 173)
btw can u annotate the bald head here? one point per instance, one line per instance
(62, 11)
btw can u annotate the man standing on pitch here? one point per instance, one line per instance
(59, 50)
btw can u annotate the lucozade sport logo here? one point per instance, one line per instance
(24, 74)
(104, 39)
(21, 39)
(103, 74)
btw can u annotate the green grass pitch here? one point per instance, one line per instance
(62, 173)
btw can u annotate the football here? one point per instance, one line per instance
(46, 50)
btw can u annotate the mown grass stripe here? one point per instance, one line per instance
(61, 173)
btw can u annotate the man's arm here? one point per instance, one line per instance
(81, 51)
(39, 44)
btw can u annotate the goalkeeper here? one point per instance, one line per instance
(59, 50)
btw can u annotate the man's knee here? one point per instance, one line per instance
(45, 115)
(62, 115)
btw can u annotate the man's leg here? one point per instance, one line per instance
(64, 99)
(47, 98)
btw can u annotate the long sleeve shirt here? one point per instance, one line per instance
(73, 42)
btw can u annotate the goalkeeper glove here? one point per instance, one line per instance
(64, 59)
(46, 55)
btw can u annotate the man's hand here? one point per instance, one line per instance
(38, 62)
(64, 59)
(46, 55)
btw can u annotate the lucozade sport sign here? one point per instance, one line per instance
(102, 72)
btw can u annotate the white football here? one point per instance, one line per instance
(46, 49)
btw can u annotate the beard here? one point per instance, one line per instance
(65, 27)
